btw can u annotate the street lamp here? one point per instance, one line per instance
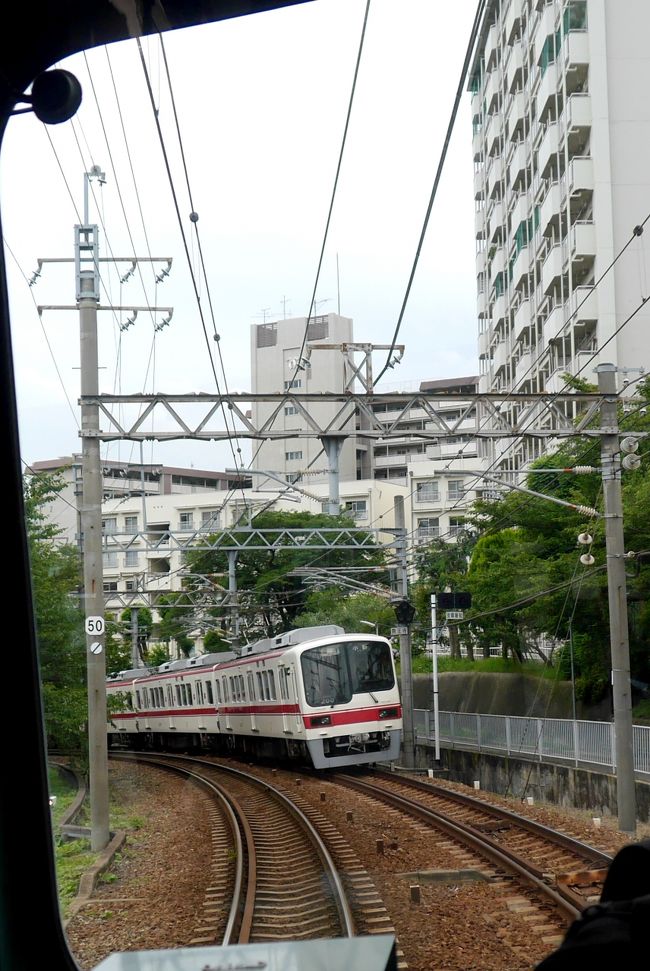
(369, 623)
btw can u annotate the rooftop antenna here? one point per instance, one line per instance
(284, 307)
(338, 287)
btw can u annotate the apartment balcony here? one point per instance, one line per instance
(575, 54)
(521, 320)
(512, 21)
(583, 305)
(518, 167)
(479, 223)
(549, 211)
(580, 177)
(582, 242)
(493, 91)
(577, 113)
(496, 219)
(482, 305)
(552, 268)
(545, 27)
(554, 325)
(477, 109)
(516, 117)
(477, 146)
(479, 183)
(520, 211)
(483, 343)
(500, 357)
(493, 133)
(498, 262)
(494, 176)
(491, 47)
(548, 150)
(547, 92)
(515, 69)
(523, 367)
(499, 308)
(521, 268)
(481, 263)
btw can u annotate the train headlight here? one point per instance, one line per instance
(320, 720)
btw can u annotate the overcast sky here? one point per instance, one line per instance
(261, 103)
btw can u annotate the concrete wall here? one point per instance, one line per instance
(560, 785)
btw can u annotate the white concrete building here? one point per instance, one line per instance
(280, 362)
(144, 538)
(121, 480)
(561, 144)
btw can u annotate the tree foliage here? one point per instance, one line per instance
(525, 574)
(56, 578)
(271, 595)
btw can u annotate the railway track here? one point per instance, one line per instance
(279, 870)
(567, 873)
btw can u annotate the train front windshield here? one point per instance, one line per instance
(333, 673)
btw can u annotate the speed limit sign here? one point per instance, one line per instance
(94, 625)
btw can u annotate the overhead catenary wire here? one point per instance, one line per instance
(452, 121)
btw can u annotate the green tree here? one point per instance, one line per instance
(271, 594)
(56, 580)
(443, 566)
(354, 612)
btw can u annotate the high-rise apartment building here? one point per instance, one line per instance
(561, 145)
(296, 356)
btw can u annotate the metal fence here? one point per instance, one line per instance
(586, 743)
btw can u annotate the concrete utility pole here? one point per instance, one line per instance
(86, 260)
(405, 639)
(617, 592)
(87, 283)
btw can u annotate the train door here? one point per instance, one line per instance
(286, 694)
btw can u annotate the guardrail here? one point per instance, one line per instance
(587, 743)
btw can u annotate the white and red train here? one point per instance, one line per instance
(317, 695)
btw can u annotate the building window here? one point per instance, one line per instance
(130, 586)
(358, 508)
(109, 525)
(455, 489)
(292, 456)
(295, 383)
(186, 522)
(110, 587)
(427, 492)
(130, 524)
(131, 558)
(456, 525)
(109, 559)
(428, 529)
(290, 410)
(209, 519)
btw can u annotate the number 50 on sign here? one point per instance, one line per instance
(94, 625)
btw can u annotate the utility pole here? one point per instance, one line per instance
(87, 280)
(87, 283)
(405, 638)
(617, 594)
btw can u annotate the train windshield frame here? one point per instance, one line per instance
(333, 673)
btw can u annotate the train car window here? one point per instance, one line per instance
(251, 686)
(265, 684)
(284, 690)
(272, 693)
(199, 693)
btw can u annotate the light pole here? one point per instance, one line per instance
(369, 623)
(434, 652)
